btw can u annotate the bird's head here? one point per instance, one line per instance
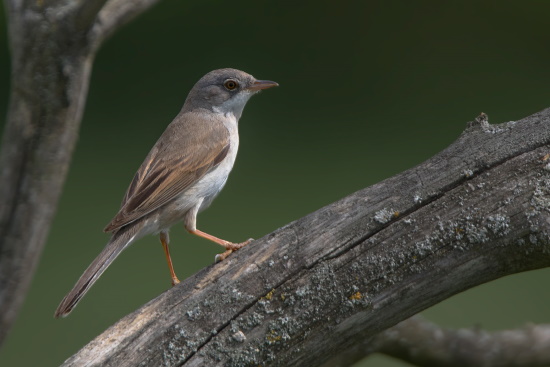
(224, 91)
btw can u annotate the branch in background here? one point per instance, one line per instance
(52, 44)
(423, 343)
(343, 275)
(117, 13)
(85, 14)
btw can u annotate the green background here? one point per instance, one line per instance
(367, 89)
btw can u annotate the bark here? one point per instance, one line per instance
(341, 276)
(52, 45)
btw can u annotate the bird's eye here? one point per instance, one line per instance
(230, 84)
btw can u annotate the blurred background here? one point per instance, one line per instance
(367, 90)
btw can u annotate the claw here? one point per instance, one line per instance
(230, 248)
(220, 257)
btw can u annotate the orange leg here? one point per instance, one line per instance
(229, 246)
(165, 240)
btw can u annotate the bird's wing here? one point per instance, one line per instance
(180, 158)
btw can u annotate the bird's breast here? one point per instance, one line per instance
(209, 186)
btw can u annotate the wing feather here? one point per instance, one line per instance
(177, 161)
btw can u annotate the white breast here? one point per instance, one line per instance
(211, 184)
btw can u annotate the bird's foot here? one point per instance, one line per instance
(230, 247)
(175, 281)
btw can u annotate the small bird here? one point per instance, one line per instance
(186, 169)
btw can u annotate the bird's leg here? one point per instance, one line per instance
(229, 246)
(190, 223)
(165, 240)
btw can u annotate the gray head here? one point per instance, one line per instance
(224, 91)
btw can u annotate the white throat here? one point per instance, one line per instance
(234, 106)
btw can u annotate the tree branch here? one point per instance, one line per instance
(475, 212)
(116, 13)
(86, 14)
(52, 49)
(423, 343)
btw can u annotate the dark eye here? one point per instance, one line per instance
(230, 84)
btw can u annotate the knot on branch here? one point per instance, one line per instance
(481, 123)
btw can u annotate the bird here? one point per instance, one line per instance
(182, 174)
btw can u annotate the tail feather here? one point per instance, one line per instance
(115, 246)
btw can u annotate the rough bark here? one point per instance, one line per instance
(342, 275)
(52, 45)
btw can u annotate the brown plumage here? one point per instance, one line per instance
(181, 175)
(167, 170)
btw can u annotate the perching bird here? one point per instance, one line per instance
(181, 175)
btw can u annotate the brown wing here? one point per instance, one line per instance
(189, 148)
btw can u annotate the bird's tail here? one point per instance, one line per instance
(118, 242)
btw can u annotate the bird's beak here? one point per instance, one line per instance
(262, 84)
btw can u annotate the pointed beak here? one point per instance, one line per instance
(262, 84)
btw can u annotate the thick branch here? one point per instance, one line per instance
(477, 211)
(52, 48)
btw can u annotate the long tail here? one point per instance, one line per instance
(118, 242)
